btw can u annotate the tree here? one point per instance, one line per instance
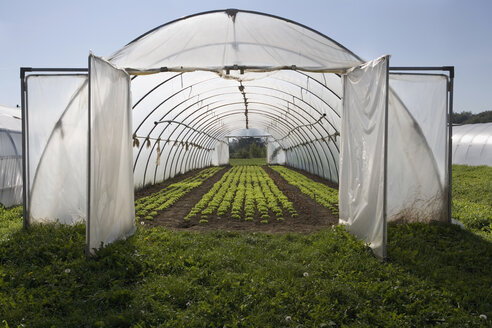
(247, 147)
(470, 118)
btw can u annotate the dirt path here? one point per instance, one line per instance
(311, 216)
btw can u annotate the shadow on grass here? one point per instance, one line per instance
(45, 279)
(450, 258)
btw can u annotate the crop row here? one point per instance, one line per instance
(149, 206)
(245, 191)
(320, 192)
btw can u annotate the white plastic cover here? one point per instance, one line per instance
(417, 148)
(112, 209)
(425, 97)
(57, 148)
(10, 156)
(275, 153)
(217, 39)
(220, 155)
(472, 144)
(362, 154)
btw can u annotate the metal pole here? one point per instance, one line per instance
(25, 213)
(385, 165)
(450, 142)
(88, 224)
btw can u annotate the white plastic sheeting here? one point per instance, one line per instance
(220, 155)
(57, 148)
(362, 156)
(112, 209)
(10, 156)
(417, 148)
(425, 97)
(217, 39)
(472, 144)
(275, 153)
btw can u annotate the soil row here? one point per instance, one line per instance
(311, 216)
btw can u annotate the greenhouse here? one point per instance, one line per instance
(10, 156)
(166, 103)
(472, 144)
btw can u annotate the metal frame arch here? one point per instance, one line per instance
(262, 113)
(157, 86)
(225, 87)
(295, 105)
(316, 128)
(170, 97)
(262, 87)
(206, 80)
(310, 146)
(239, 111)
(201, 126)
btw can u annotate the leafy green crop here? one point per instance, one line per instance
(245, 190)
(323, 194)
(149, 206)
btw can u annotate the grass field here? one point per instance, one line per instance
(247, 161)
(436, 274)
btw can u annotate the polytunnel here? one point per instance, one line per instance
(10, 156)
(472, 144)
(165, 103)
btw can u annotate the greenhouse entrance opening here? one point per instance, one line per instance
(382, 134)
(248, 146)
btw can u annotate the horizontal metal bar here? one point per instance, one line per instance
(228, 69)
(258, 136)
(23, 70)
(416, 68)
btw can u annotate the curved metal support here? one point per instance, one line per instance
(263, 114)
(318, 155)
(276, 90)
(293, 104)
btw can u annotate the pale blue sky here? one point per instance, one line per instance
(60, 33)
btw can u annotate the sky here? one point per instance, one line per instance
(60, 33)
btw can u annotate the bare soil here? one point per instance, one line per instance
(311, 216)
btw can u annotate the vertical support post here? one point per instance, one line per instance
(88, 222)
(450, 142)
(385, 174)
(25, 182)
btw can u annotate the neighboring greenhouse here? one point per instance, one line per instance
(379, 132)
(10, 156)
(472, 144)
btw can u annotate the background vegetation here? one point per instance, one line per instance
(247, 147)
(436, 274)
(470, 118)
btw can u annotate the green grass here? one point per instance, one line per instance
(436, 274)
(247, 161)
(472, 197)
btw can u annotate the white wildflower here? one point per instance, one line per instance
(288, 318)
(483, 316)
(67, 270)
(305, 274)
(142, 223)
